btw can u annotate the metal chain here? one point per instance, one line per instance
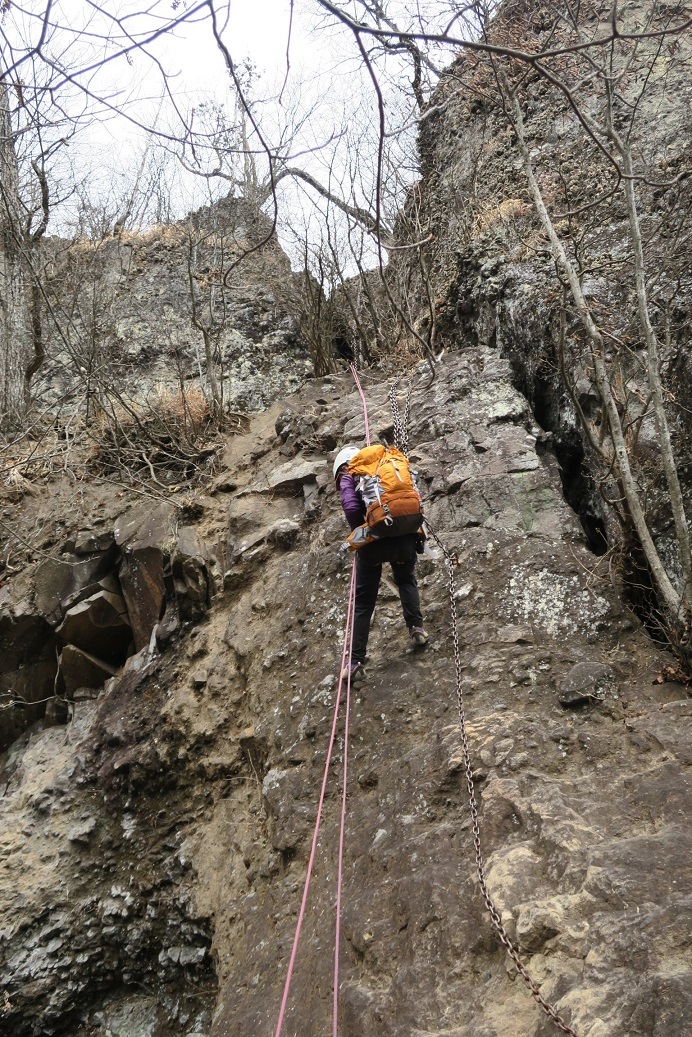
(407, 415)
(495, 918)
(400, 427)
(401, 442)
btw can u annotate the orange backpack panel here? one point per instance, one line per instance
(388, 486)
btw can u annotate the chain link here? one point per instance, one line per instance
(400, 426)
(495, 918)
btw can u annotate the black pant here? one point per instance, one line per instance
(400, 552)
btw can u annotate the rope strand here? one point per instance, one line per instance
(365, 406)
(345, 667)
(346, 652)
(342, 827)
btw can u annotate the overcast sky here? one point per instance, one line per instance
(327, 91)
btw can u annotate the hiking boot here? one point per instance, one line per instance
(357, 671)
(418, 636)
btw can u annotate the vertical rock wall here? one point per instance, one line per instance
(490, 273)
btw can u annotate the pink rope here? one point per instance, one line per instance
(342, 827)
(365, 406)
(345, 656)
(348, 637)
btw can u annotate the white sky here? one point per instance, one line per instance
(256, 29)
(326, 75)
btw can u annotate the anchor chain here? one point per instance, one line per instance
(500, 931)
(400, 425)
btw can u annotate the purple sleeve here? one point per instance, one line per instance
(351, 501)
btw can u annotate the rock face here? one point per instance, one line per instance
(80, 914)
(151, 289)
(87, 615)
(155, 849)
(491, 274)
(27, 669)
(158, 811)
(99, 623)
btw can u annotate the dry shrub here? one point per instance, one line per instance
(173, 233)
(402, 356)
(165, 411)
(168, 438)
(13, 482)
(176, 405)
(38, 454)
(490, 214)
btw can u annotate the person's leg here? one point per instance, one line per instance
(367, 585)
(404, 574)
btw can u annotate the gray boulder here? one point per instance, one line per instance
(290, 478)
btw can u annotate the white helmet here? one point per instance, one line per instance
(344, 456)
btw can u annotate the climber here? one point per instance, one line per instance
(399, 551)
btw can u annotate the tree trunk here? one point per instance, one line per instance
(15, 310)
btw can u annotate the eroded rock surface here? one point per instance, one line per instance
(146, 283)
(155, 847)
(489, 268)
(73, 622)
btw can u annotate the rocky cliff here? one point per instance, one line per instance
(154, 846)
(169, 651)
(132, 313)
(491, 276)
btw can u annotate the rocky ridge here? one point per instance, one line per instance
(142, 339)
(154, 848)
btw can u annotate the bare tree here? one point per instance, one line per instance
(49, 88)
(208, 306)
(15, 310)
